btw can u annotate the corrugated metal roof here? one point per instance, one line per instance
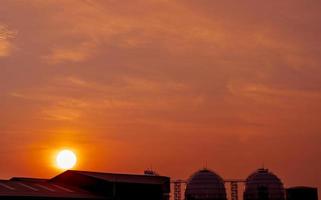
(41, 189)
(28, 179)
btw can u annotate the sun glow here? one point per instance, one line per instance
(66, 159)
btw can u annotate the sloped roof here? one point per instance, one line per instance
(121, 178)
(28, 179)
(34, 188)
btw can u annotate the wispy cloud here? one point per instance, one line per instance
(5, 44)
(270, 94)
(70, 97)
(73, 54)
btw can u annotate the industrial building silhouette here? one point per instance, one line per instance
(297, 193)
(204, 184)
(82, 185)
(262, 184)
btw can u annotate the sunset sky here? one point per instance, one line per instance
(168, 84)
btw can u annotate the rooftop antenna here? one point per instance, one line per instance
(150, 171)
(205, 165)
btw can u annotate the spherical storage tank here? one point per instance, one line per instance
(205, 185)
(263, 185)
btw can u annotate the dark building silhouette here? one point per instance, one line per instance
(302, 193)
(263, 185)
(205, 185)
(263, 193)
(82, 185)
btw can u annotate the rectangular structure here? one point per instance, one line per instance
(302, 193)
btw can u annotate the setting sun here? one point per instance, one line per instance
(66, 159)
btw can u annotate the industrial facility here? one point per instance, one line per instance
(262, 184)
(82, 185)
(204, 184)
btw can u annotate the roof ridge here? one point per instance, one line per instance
(113, 173)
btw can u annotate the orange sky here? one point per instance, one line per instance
(163, 83)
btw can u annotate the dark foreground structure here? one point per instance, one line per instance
(263, 185)
(205, 185)
(302, 193)
(82, 185)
